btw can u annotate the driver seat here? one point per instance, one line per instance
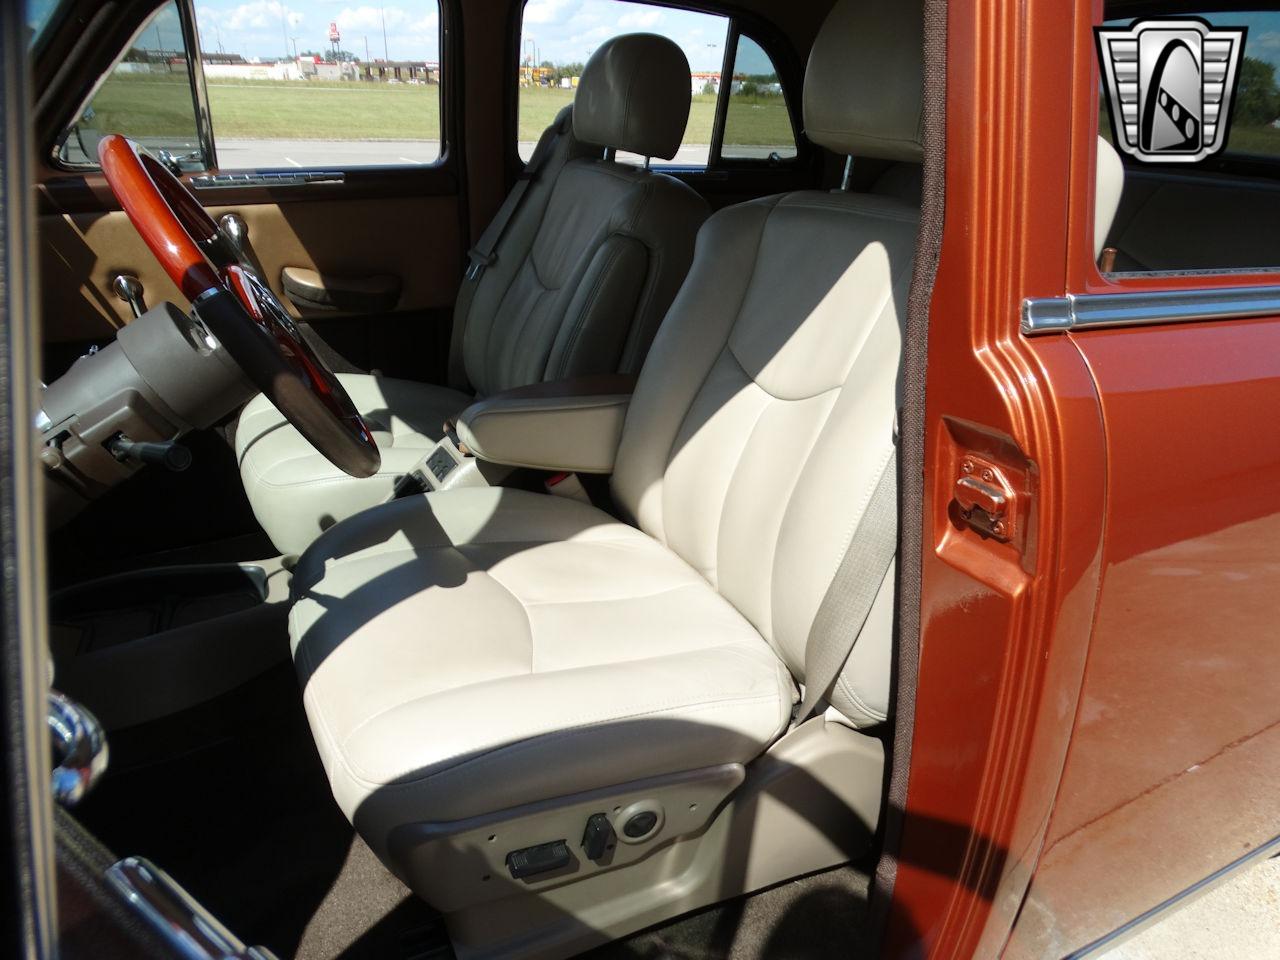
(583, 272)
(492, 674)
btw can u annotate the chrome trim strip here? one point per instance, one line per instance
(1099, 310)
(266, 178)
(176, 916)
(1157, 913)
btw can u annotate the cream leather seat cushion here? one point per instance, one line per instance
(296, 493)
(466, 652)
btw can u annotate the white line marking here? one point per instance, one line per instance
(292, 161)
(411, 160)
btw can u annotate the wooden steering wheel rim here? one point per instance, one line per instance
(165, 215)
(241, 312)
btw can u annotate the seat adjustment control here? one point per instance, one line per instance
(598, 837)
(542, 858)
(640, 824)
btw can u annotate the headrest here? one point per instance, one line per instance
(634, 95)
(1106, 197)
(862, 88)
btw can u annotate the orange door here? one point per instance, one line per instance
(1096, 725)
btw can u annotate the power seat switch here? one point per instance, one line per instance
(598, 837)
(542, 858)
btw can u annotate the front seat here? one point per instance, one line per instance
(492, 674)
(580, 278)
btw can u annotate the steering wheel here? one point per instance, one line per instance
(237, 306)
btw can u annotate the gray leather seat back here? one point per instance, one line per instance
(596, 251)
(765, 412)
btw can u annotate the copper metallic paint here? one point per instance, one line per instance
(1093, 734)
(1003, 630)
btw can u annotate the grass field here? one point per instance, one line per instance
(1255, 140)
(157, 106)
(751, 120)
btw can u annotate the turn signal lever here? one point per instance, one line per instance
(167, 454)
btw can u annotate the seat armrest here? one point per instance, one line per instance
(565, 425)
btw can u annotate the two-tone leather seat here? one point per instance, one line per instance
(582, 275)
(475, 660)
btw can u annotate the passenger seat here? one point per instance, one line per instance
(582, 274)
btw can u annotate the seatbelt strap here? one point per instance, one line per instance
(847, 602)
(484, 254)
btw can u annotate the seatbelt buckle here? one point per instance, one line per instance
(567, 485)
(479, 262)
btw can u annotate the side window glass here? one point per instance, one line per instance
(1174, 215)
(320, 87)
(145, 96)
(1255, 120)
(557, 39)
(757, 124)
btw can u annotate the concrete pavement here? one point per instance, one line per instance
(1238, 920)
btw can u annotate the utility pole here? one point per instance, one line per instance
(367, 58)
(382, 10)
(295, 47)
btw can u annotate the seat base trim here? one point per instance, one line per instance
(810, 803)
(463, 863)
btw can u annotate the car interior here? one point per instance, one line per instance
(446, 598)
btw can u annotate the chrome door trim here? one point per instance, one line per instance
(175, 915)
(1089, 311)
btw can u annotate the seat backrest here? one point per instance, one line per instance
(596, 251)
(1109, 185)
(765, 412)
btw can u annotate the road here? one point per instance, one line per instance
(319, 154)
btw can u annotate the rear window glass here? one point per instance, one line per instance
(559, 36)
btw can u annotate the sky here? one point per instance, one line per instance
(1263, 39)
(562, 31)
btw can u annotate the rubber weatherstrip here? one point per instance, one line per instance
(911, 462)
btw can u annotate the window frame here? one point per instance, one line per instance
(724, 101)
(740, 23)
(1084, 278)
(200, 120)
(205, 121)
(1227, 162)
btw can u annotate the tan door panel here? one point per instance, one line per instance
(414, 239)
